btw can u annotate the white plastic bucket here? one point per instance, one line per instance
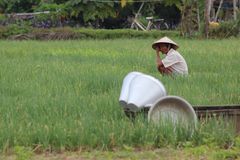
(140, 90)
(123, 100)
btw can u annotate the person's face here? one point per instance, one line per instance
(163, 48)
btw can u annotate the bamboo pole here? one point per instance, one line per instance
(136, 15)
(219, 7)
(234, 10)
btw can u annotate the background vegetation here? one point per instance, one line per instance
(104, 14)
(184, 16)
(15, 32)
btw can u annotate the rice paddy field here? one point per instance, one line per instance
(63, 95)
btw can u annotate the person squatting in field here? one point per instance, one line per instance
(173, 63)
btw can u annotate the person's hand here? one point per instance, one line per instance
(168, 70)
(164, 71)
(160, 69)
(157, 49)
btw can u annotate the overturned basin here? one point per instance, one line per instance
(173, 109)
(140, 90)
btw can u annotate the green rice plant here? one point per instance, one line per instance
(215, 131)
(64, 94)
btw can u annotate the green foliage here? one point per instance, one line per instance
(22, 153)
(226, 29)
(15, 29)
(3, 31)
(148, 9)
(50, 7)
(123, 33)
(58, 10)
(2, 18)
(173, 2)
(213, 152)
(87, 11)
(197, 150)
(215, 132)
(190, 10)
(237, 142)
(225, 154)
(17, 6)
(80, 9)
(53, 18)
(82, 12)
(181, 3)
(66, 33)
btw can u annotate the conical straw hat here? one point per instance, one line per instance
(165, 40)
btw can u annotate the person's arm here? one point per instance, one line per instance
(164, 70)
(159, 64)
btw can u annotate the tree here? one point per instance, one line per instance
(82, 11)
(17, 6)
(90, 10)
(190, 21)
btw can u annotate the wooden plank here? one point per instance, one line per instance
(216, 107)
(231, 112)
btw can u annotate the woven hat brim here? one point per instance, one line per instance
(165, 40)
(154, 46)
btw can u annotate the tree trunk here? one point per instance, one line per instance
(207, 16)
(189, 19)
(198, 18)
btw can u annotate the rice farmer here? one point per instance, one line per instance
(173, 63)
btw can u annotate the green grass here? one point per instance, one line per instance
(64, 94)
